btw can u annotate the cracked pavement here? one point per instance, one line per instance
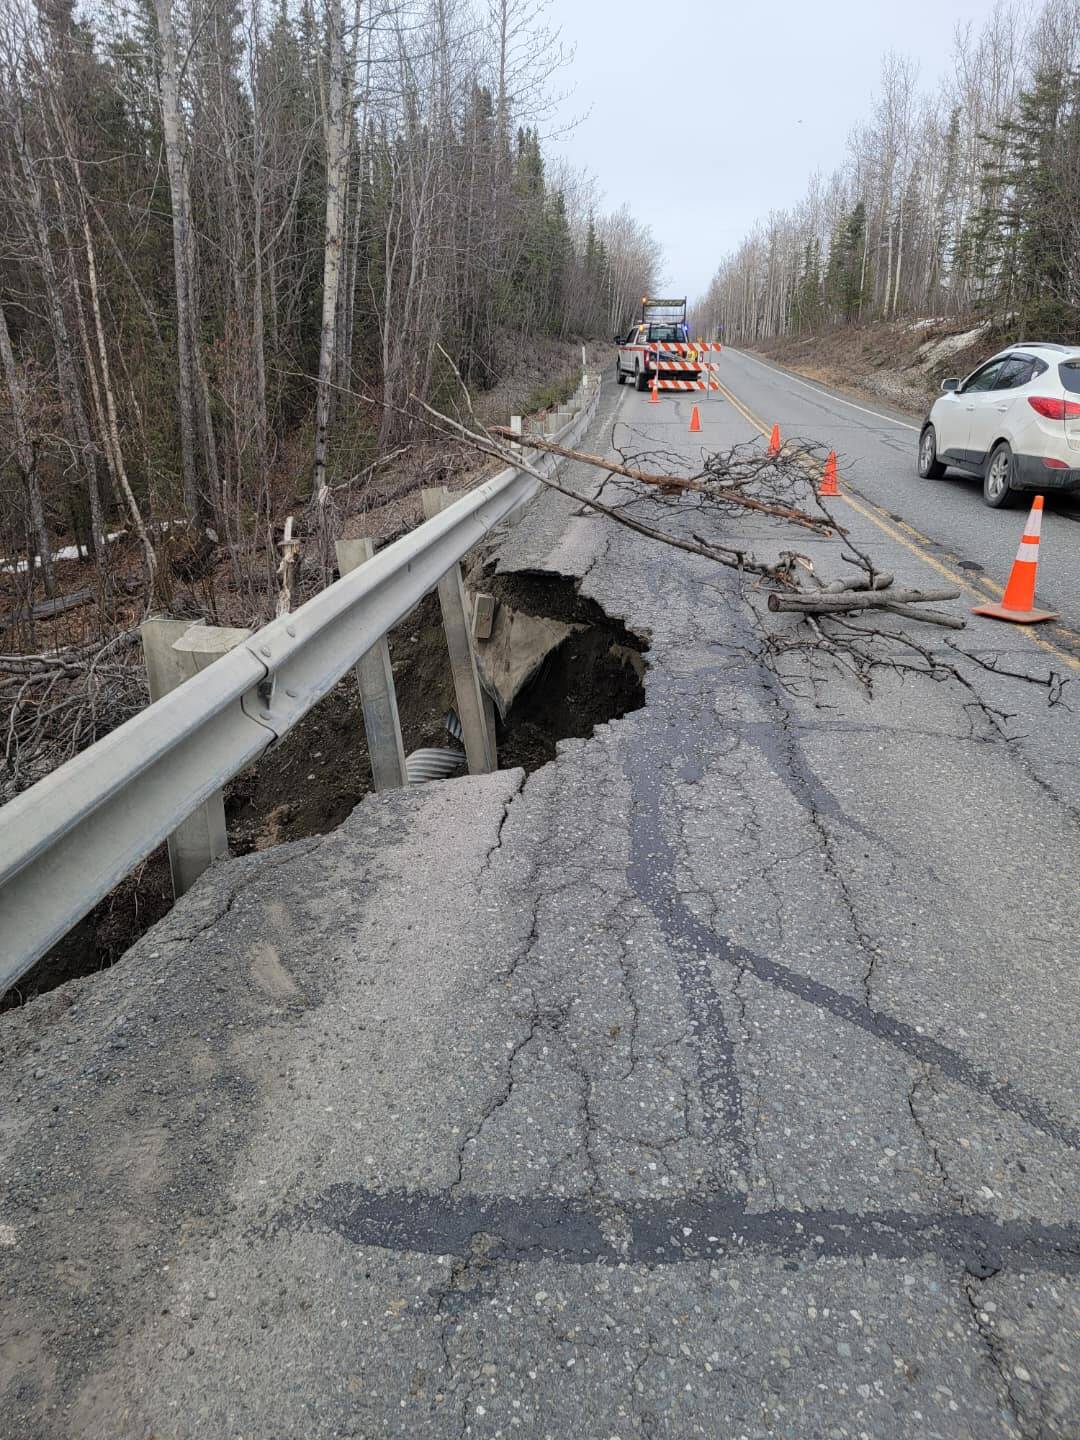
(716, 1080)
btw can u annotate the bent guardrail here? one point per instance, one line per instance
(66, 841)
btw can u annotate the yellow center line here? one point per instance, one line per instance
(978, 588)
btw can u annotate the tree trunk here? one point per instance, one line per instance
(195, 499)
(336, 130)
(112, 427)
(24, 454)
(71, 399)
(899, 259)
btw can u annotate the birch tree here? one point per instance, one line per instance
(337, 112)
(192, 400)
(24, 454)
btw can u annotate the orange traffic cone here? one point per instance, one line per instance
(774, 441)
(695, 422)
(829, 484)
(654, 393)
(1018, 601)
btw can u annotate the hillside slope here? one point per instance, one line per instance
(902, 362)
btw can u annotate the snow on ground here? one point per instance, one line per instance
(933, 354)
(74, 552)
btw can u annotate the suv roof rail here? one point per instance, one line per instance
(1040, 345)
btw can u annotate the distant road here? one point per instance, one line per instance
(876, 447)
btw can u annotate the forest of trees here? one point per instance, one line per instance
(238, 236)
(961, 200)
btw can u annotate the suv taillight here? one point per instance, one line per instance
(1051, 409)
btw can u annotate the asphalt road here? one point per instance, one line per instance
(718, 1080)
(876, 449)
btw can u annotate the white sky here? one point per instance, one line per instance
(758, 95)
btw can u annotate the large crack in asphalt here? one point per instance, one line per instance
(995, 1356)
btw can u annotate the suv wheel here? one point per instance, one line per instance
(996, 490)
(620, 378)
(930, 467)
(641, 379)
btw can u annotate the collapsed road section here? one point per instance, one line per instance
(557, 665)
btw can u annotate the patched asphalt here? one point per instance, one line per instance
(716, 1080)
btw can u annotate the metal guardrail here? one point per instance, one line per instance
(66, 841)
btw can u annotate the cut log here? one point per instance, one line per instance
(829, 604)
(928, 617)
(842, 587)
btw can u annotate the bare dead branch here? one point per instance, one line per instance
(673, 483)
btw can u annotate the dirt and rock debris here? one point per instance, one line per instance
(309, 782)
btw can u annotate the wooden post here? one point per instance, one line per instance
(290, 548)
(375, 676)
(475, 707)
(175, 651)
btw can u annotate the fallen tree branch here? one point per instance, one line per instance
(60, 604)
(713, 488)
(823, 603)
(841, 587)
(72, 658)
(928, 617)
(722, 554)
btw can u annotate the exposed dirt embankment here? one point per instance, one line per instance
(902, 362)
(310, 781)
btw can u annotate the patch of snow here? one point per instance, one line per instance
(72, 552)
(66, 552)
(949, 345)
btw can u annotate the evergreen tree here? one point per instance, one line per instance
(843, 274)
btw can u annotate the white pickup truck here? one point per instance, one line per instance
(662, 324)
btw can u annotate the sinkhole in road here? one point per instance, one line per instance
(583, 670)
(593, 672)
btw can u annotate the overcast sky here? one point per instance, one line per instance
(759, 94)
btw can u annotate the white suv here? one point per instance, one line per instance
(1015, 421)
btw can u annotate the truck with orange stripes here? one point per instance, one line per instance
(658, 343)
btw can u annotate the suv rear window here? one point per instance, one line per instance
(1069, 370)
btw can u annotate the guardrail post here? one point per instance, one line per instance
(475, 708)
(515, 426)
(378, 697)
(175, 651)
